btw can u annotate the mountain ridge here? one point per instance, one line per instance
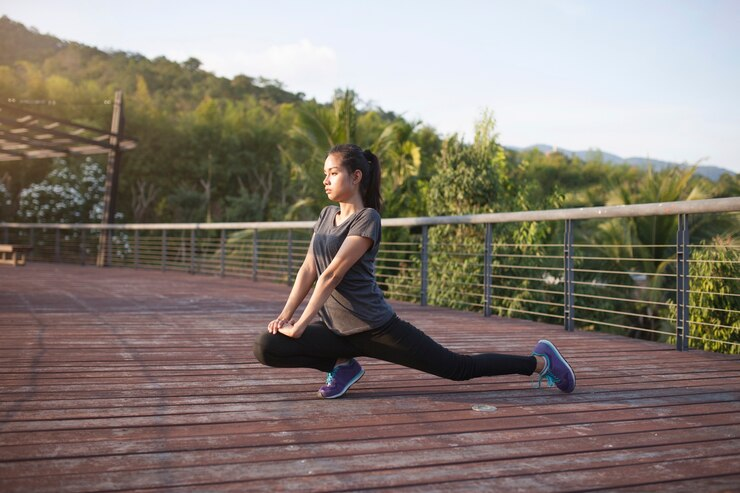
(709, 171)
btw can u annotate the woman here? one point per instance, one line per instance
(355, 319)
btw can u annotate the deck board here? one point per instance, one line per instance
(132, 380)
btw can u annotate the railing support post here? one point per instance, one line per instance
(164, 250)
(136, 249)
(57, 245)
(568, 288)
(192, 251)
(83, 246)
(682, 283)
(223, 253)
(255, 255)
(424, 264)
(6, 236)
(33, 241)
(290, 257)
(109, 243)
(487, 257)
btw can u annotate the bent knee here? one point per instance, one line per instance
(261, 348)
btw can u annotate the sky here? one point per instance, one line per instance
(655, 79)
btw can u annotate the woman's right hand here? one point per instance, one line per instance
(274, 326)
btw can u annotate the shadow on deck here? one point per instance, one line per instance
(119, 379)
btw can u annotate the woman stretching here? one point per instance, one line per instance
(355, 318)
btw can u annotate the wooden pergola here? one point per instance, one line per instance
(30, 135)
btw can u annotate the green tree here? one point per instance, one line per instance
(474, 179)
(713, 298)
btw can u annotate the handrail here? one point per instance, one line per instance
(731, 204)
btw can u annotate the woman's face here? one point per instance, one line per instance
(339, 184)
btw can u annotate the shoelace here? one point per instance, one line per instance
(552, 380)
(330, 376)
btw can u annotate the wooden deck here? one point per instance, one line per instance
(115, 379)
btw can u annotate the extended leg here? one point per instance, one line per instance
(401, 343)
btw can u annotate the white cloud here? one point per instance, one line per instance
(302, 66)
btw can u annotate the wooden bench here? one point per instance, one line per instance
(14, 254)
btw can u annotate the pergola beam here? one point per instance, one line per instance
(56, 138)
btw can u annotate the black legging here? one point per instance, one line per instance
(397, 342)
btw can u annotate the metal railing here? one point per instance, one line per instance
(679, 292)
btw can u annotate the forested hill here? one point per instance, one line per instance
(119, 69)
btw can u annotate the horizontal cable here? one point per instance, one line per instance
(703, 339)
(725, 310)
(544, 291)
(629, 300)
(496, 255)
(520, 278)
(583, 245)
(456, 283)
(527, 245)
(608, 285)
(715, 277)
(438, 301)
(714, 261)
(532, 267)
(628, 314)
(396, 260)
(732, 247)
(716, 326)
(639, 329)
(653, 274)
(519, 310)
(391, 268)
(536, 302)
(622, 259)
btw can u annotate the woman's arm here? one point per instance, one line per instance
(352, 249)
(303, 281)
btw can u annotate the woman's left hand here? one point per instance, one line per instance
(292, 330)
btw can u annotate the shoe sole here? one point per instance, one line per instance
(562, 358)
(350, 384)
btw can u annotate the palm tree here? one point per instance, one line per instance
(318, 127)
(646, 245)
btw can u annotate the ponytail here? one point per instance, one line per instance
(354, 158)
(371, 197)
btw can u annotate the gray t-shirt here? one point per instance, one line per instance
(357, 304)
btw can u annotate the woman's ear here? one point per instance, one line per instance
(357, 176)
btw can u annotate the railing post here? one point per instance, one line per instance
(136, 249)
(33, 242)
(192, 251)
(6, 237)
(290, 257)
(109, 235)
(164, 250)
(83, 241)
(568, 288)
(255, 254)
(487, 271)
(223, 253)
(424, 264)
(682, 283)
(57, 245)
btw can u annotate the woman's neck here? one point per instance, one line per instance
(346, 209)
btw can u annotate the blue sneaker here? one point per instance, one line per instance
(557, 371)
(340, 379)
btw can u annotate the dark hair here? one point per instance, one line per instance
(353, 158)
